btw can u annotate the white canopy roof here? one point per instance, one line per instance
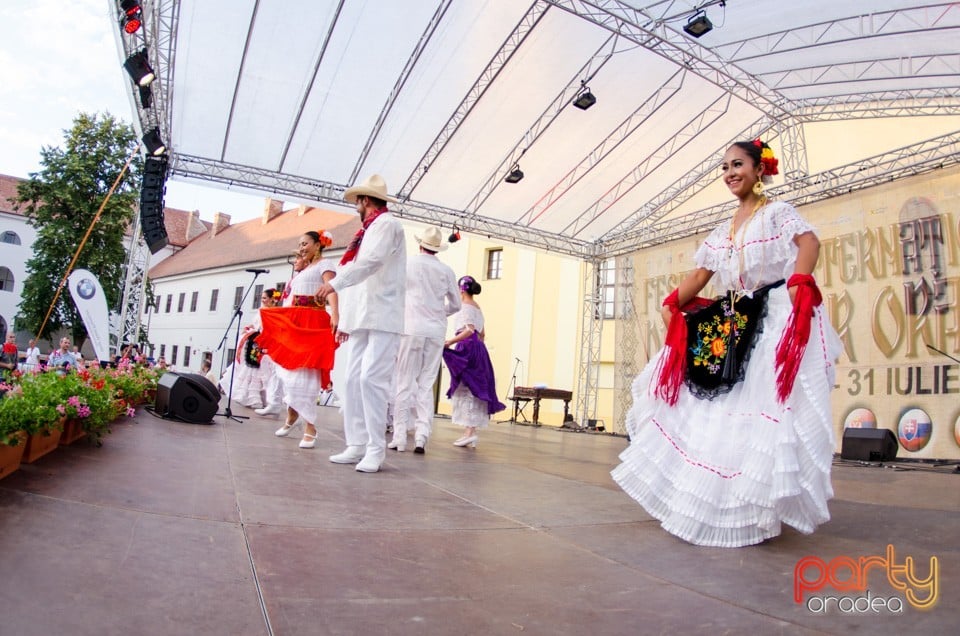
(300, 99)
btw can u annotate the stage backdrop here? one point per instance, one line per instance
(889, 269)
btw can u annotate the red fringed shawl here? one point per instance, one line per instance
(793, 341)
(673, 364)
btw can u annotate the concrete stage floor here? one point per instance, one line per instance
(175, 528)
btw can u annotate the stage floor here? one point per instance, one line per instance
(175, 528)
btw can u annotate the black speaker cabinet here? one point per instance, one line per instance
(869, 444)
(186, 396)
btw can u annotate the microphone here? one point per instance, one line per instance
(258, 271)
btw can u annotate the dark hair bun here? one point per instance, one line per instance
(475, 288)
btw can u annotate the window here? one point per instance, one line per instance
(173, 354)
(169, 302)
(163, 351)
(183, 297)
(231, 354)
(237, 297)
(156, 304)
(257, 292)
(6, 281)
(281, 286)
(193, 300)
(213, 299)
(607, 284)
(186, 356)
(10, 237)
(494, 263)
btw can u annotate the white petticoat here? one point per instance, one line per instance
(247, 384)
(300, 390)
(726, 472)
(469, 410)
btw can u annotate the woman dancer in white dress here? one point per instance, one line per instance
(472, 383)
(249, 375)
(299, 336)
(726, 468)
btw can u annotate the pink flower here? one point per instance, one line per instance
(131, 411)
(73, 400)
(61, 410)
(83, 411)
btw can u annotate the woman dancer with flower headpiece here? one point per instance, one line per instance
(473, 388)
(731, 431)
(299, 336)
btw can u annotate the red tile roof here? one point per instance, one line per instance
(176, 222)
(8, 190)
(253, 241)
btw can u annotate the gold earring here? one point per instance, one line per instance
(758, 188)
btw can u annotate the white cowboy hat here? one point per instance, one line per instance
(431, 239)
(373, 186)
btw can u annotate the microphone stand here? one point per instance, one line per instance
(511, 389)
(943, 353)
(237, 317)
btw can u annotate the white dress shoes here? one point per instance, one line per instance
(351, 455)
(269, 409)
(370, 463)
(284, 430)
(421, 445)
(397, 446)
(467, 441)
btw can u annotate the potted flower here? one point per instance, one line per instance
(12, 437)
(34, 411)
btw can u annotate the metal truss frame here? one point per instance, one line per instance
(655, 35)
(907, 103)
(942, 16)
(398, 86)
(625, 365)
(232, 174)
(923, 157)
(134, 287)
(588, 369)
(549, 115)
(667, 91)
(685, 135)
(496, 64)
(878, 69)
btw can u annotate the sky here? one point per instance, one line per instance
(61, 58)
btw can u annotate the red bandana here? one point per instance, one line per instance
(354, 246)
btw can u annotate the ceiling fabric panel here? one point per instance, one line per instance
(445, 97)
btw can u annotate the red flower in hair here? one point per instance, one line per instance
(758, 143)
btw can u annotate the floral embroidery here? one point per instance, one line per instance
(716, 337)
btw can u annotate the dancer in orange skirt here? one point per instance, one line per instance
(299, 337)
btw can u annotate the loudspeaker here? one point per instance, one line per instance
(151, 203)
(869, 444)
(186, 396)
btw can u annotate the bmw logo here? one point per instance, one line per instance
(86, 288)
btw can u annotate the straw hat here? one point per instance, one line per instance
(431, 239)
(373, 186)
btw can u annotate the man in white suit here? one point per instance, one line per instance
(432, 296)
(373, 271)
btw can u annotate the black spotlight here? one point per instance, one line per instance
(146, 96)
(154, 144)
(515, 174)
(455, 235)
(132, 15)
(698, 25)
(139, 68)
(585, 99)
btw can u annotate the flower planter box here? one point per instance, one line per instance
(72, 431)
(10, 456)
(39, 444)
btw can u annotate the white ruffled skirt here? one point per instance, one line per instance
(728, 471)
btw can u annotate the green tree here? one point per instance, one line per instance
(61, 201)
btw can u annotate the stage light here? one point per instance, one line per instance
(154, 143)
(455, 235)
(585, 99)
(698, 25)
(132, 15)
(139, 69)
(515, 174)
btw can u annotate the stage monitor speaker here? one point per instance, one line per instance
(153, 227)
(869, 444)
(189, 397)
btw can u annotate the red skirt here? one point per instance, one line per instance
(297, 337)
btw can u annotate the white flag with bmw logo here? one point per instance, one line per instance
(92, 305)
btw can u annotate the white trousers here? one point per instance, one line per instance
(371, 361)
(417, 364)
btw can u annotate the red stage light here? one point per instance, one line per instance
(131, 24)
